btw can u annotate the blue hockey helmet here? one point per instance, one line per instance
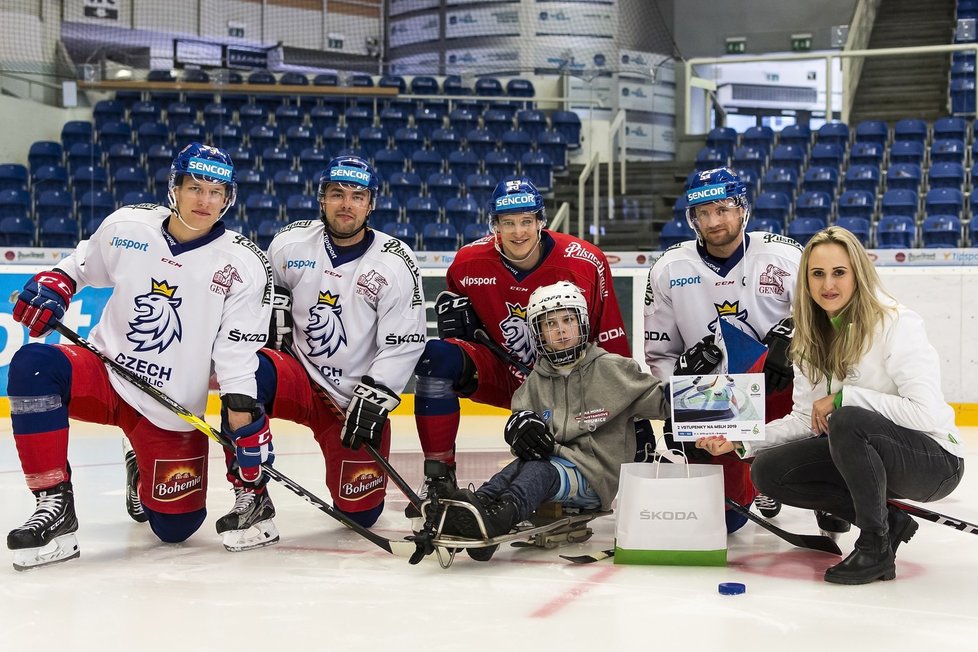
(719, 184)
(351, 171)
(515, 196)
(204, 163)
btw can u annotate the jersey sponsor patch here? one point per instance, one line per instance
(223, 279)
(360, 479)
(176, 479)
(369, 286)
(771, 280)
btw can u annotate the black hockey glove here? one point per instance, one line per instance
(367, 414)
(280, 326)
(527, 436)
(778, 372)
(701, 358)
(456, 317)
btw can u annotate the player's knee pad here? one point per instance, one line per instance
(365, 518)
(267, 379)
(39, 370)
(735, 520)
(174, 528)
(443, 370)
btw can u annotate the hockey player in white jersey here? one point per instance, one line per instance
(348, 326)
(186, 296)
(724, 272)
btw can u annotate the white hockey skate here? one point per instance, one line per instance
(552, 525)
(48, 536)
(249, 523)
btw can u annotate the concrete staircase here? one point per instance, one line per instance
(891, 88)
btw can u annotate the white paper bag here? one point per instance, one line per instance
(671, 514)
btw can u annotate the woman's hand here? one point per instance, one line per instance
(716, 445)
(821, 409)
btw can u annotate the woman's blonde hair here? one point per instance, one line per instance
(819, 348)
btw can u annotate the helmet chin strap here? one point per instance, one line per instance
(499, 249)
(176, 212)
(336, 236)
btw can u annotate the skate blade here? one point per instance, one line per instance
(63, 548)
(261, 534)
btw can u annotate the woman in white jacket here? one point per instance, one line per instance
(867, 377)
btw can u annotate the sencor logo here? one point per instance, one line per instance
(515, 200)
(344, 174)
(708, 192)
(218, 170)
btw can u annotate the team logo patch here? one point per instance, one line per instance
(223, 279)
(157, 322)
(360, 479)
(369, 285)
(325, 332)
(771, 280)
(516, 334)
(735, 317)
(176, 479)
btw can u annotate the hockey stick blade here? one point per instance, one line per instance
(398, 548)
(590, 559)
(936, 517)
(810, 541)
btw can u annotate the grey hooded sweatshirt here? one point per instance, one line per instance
(591, 412)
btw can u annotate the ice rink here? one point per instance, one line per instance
(324, 588)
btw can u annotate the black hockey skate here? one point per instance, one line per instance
(439, 480)
(767, 506)
(249, 523)
(133, 505)
(48, 536)
(486, 519)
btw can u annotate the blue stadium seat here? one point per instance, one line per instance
(240, 155)
(298, 138)
(827, 154)
(534, 122)
(393, 118)
(17, 231)
(403, 186)
(288, 116)
(286, 183)
(131, 198)
(480, 141)
(13, 176)
(554, 145)
(336, 139)
(114, 133)
(862, 177)
(312, 161)
(761, 137)
(424, 85)
(673, 232)
(15, 203)
(53, 203)
(772, 205)
(443, 186)
(252, 115)
(814, 204)
(708, 158)
(723, 139)
(389, 161)
(439, 237)
(301, 207)
(445, 140)
(797, 135)
(425, 162)
(569, 124)
(238, 226)
(767, 225)
(215, 115)
(963, 96)
(421, 210)
(783, 180)
(106, 111)
(403, 231)
(161, 183)
(227, 136)
(95, 204)
(519, 87)
(265, 232)
(866, 153)
(143, 112)
(856, 203)
(76, 131)
(151, 134)
(262, 207)
(488, 87)
(905, 176)
(944, 201)
(858, 226)
(463, 162)
(81, 154)
(189, 132)
(500, 165)
(538, 167)
(950, 127)
(497, 122)
(833, 133)
(473, 231)
(945, 175)
(262, 137)
(322, 116)
(127, 179)
(907, 151)
(896, 232)
(122, 155)
(386, 210)
(462, 119)
(357, 117)
(58, 232)
(973, 231)
(371, 140)
(178, 113)
(275, 159)
(900, 201)
(408, 139)
(250, 182)
(428, 119)
(910, 129)
(453, 85)
(89, 177)
(801, 229)
(749, 158)
(517, 142)
(788, 156)
(480, 186)
(872, 131)
(461, 211)
(947, 150)
(44, 152)
(940, 231)
(199, 99)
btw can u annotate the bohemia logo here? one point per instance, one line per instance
(176, 479)
(325, 332)
(360, 479)
(516, 334)
(223, 279)
(157, 323)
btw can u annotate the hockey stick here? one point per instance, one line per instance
(398, 548)
(936, 517)
(483, 338)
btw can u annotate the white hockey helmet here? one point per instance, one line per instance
(544, 302)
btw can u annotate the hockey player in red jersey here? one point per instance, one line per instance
(489, 285)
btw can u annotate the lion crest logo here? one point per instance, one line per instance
(516, 334)
(157, 323)
(325, 332)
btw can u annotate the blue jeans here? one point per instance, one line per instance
(865, 459)
(528, 483)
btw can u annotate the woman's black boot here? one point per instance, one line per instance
(871, 560)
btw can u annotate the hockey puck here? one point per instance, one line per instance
(731, 588)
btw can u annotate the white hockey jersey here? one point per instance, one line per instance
(354, 314)
(688, 290)
(175, 308)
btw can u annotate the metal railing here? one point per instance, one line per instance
(593, 167)
(561, 221)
